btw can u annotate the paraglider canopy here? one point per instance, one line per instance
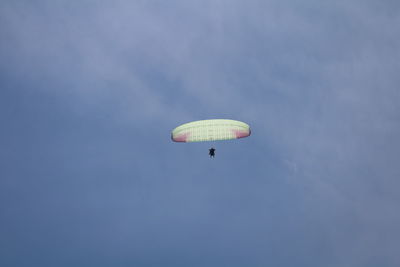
(210, 130)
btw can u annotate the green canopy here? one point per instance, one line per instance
(210, 130)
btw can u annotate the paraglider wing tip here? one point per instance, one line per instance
(241, 133)
(180, 137)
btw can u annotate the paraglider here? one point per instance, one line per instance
(211, 152)
(210, 130)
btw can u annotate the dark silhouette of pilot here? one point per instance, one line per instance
(211, 152)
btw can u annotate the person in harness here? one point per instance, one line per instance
(211, 152)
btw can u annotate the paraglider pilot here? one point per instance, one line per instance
(211, 152)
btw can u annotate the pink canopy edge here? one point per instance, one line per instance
(241, 134)
(181, 138)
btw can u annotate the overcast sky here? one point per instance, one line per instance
(90, 91)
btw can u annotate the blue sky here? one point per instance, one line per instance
(90, 90)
